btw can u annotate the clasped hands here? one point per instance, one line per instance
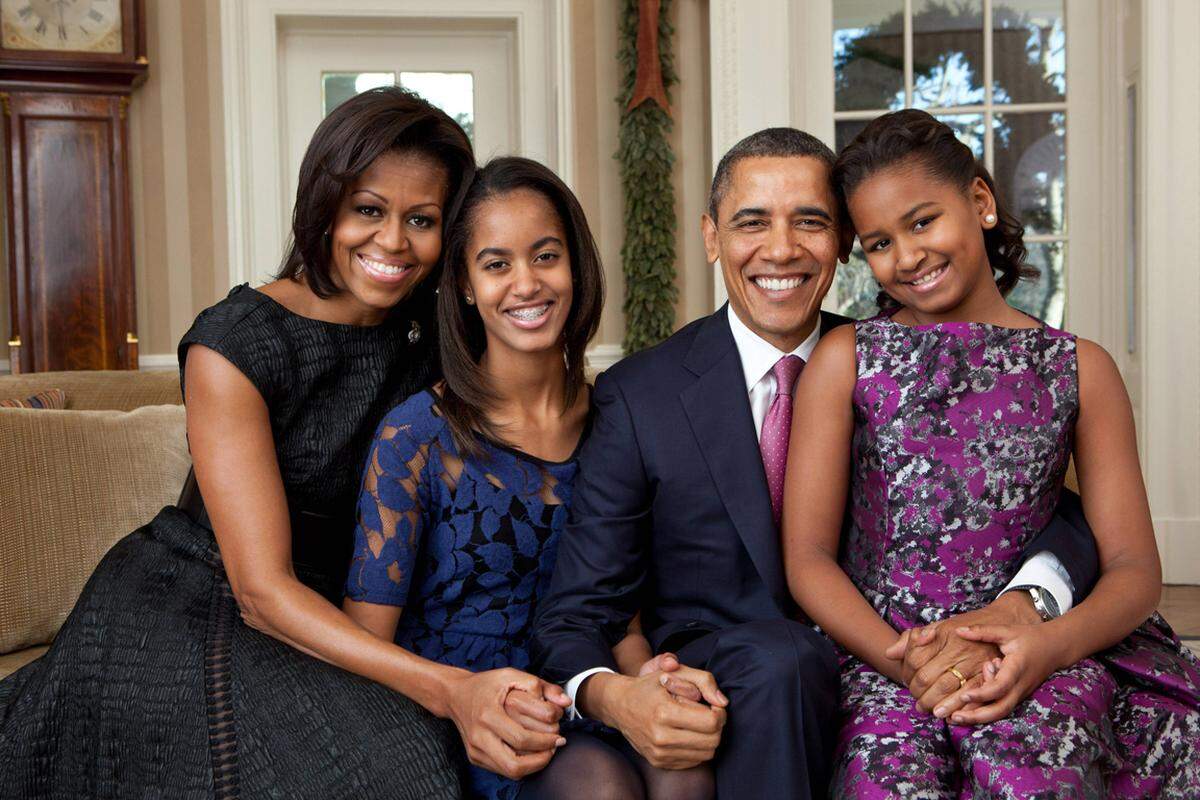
(1004, 651)
(671, 714)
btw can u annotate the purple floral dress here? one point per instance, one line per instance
(962, 436)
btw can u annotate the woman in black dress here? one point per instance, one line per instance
(199, 664)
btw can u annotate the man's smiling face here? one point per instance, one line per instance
(776, 236)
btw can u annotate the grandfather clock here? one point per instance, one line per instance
(67, 68)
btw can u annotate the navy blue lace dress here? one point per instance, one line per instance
(465, 545)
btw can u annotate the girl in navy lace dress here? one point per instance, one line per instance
(468, 485)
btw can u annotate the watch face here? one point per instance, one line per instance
(90, 26)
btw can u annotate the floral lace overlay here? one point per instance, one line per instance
(962, 436)
(465, 545)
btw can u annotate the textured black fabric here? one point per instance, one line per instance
(155, 688)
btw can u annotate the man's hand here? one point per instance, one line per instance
(668, 663)
(1030, 656)
(928, 653)
(669, 732)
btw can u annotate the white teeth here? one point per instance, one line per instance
(778, 284)
(529, 314)
(929, 277)
(380, 267)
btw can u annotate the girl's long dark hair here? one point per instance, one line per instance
(467, 395)
(345, 144)
(914, 136)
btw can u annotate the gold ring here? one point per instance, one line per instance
(962, 680)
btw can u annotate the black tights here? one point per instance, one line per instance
(592, 767)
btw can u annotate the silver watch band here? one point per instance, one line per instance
(1043, 602)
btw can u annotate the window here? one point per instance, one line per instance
(995, 71)
(452, 92)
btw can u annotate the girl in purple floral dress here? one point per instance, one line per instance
(958, 417)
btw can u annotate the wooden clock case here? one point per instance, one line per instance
(69, 220)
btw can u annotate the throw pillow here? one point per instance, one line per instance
(51, 398)
(74, 482)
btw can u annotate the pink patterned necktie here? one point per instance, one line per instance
(777, 427)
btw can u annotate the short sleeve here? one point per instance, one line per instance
(241, 329)
(392, 511)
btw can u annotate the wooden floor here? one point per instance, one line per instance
(1180, 606)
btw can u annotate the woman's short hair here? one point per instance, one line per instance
(467, 395)
(346, 143)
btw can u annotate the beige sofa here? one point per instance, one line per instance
(72, 483)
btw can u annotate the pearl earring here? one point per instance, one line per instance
(470, 300)
(990, 219)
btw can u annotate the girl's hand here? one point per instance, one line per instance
(537, 713)
(1029, 657)
(667, 663)
(493, 739)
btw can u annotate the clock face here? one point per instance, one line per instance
(90, 26)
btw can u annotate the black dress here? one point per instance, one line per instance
(154, 687)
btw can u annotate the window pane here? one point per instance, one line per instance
(868, 54)
(1043, 297)
(1031, 168)
(856, 287)
(338, 87)
(452, 92)
(947, 53)
(846, 130)
(968, 128)
(1030, 51)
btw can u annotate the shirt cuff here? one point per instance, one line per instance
(1046, 571)
(573, 687)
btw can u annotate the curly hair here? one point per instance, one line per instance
(915, 136)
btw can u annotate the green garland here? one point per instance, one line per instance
(648, 252)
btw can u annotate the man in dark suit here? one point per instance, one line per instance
(676, 507)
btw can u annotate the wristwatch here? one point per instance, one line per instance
(1043, 602)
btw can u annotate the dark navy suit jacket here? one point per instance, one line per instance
(670, 514)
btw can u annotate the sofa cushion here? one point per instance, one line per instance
(75, 482)
(120, 390)
(50, 399)
(11, 662)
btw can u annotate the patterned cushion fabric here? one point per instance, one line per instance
(51, 398)
(74, 482)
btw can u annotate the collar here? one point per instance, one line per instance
(758, 356)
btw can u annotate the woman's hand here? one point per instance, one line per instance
(1030, 656)
(493, 739)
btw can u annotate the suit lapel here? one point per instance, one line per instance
(718, 410)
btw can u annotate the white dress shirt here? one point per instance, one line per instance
(758, 358)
